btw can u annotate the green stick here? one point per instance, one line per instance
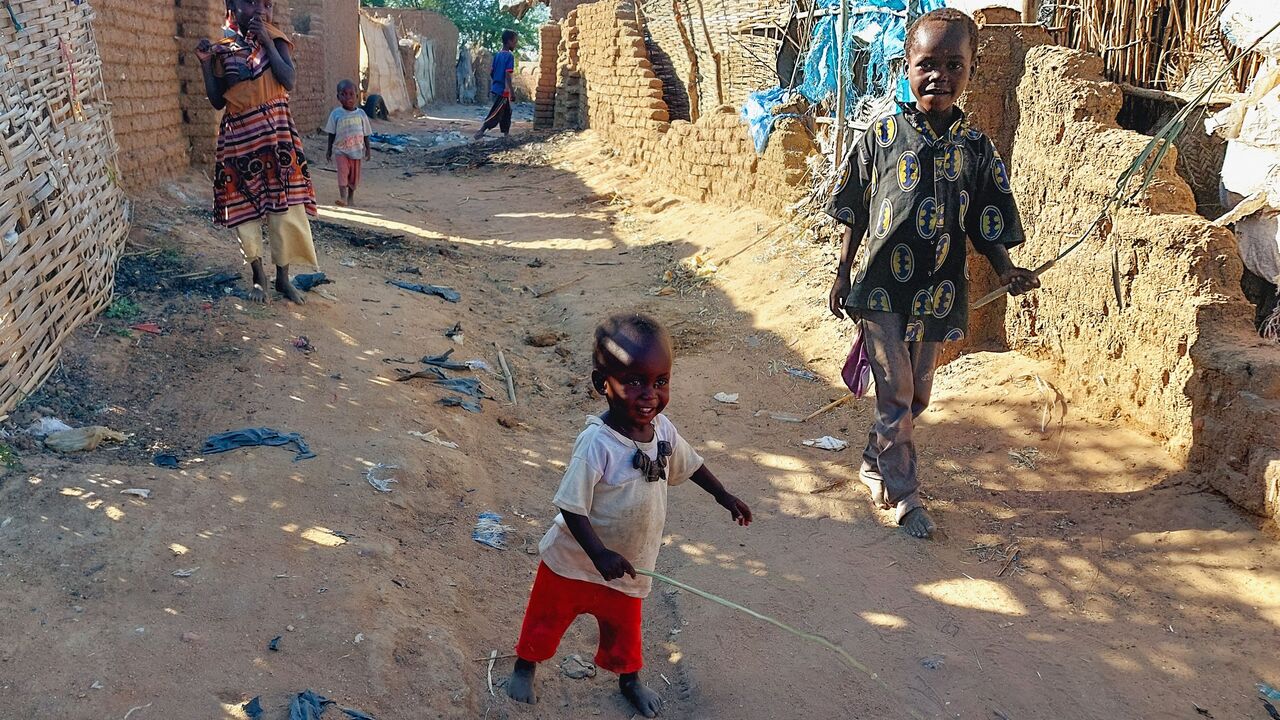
(811, 637)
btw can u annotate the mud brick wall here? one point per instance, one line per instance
(443, 34)
(332, 21)
(544, 99)
(140, 67)
(607, 82)
(310, 101)
(197, 19)
(991, 103)
(1177, 354)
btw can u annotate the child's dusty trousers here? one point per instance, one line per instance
(289, 234)
(904, 379)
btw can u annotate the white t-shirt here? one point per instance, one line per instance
(349, 129)
(627, 511)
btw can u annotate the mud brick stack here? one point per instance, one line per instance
(607, 82)
(544, 112)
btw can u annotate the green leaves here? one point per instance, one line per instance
(480, 22)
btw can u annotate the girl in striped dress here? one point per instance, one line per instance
(261, 171)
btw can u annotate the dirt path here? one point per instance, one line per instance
(1079, 577)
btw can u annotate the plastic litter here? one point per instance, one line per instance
(490, 531)
(465, 404)
(573, 666)
(253, 709)
(274, 645)
(381, 476)
(857, 368)
(802, 374)
(933, 662)
(478, 365)
(726, 398)
(1268, 692)
(434, 437)
(826, 442)
(308, 281)
(455, 333)
(143, 493)
(757, 113)
(303, 344)
(444, 293)
(185, 573)
(83, 439)
(47, 426)
(165, 460)
(254, 437)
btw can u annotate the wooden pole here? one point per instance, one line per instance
(842, 68)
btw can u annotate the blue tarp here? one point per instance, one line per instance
(877, 32)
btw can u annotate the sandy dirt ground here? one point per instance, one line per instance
(1078, 574)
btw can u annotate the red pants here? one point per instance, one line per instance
(557, 601)
(348, 171)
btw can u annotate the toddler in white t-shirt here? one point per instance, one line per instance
(613, 505)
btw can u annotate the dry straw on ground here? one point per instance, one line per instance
(62, 215)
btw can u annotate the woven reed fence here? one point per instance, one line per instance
(1170, 45)
(62, 215)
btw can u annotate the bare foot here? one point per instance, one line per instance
(258, 293)
(520, 684)
(286, 288)
(478, 136)
(917, 523)
(340, 203)
(646, 701)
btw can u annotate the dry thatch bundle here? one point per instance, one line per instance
(1162, 44)
(62, 215)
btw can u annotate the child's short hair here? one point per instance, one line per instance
(944, 15)
(620, 336)
(344, 84)
(508, 36)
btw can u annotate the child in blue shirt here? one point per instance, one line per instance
(504, 66)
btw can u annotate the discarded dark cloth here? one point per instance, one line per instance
(254, 437)
(445, 293)
(307, 705)
(465, 404)
(442, 360)
(165, 460)
(430, 373)
(466, 386)
(310, 280)
(253, 708)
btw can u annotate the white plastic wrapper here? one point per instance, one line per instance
(1244, 21)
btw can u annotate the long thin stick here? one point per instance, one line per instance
(506, 371)
(829, 406)
(493, 655)
(816, 639)
(1154, 153)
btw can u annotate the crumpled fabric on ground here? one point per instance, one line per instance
(307, 705)
(465, 404)
(309, 280)
(446, 293)
(255, 437)
(442, 361)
